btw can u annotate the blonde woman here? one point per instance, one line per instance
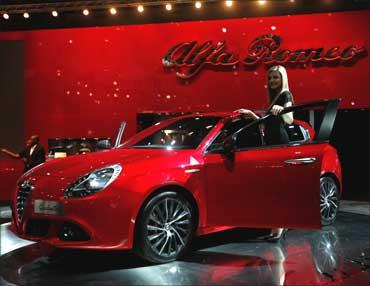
(279, 97)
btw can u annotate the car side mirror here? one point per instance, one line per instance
(104, 144)
(229, 147)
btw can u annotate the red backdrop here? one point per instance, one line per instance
(83, 82)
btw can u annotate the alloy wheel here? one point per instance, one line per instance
(169, 226)
(329, 200)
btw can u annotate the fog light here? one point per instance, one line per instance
(72, 232)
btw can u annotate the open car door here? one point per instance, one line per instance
(271, 185)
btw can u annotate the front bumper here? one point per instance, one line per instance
(96, 222)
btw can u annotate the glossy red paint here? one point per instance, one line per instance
(87, 75)
(109, 216)
(280, 185)
(83, 82)
(190, 58)
(10, 171)
(331, 164)
(134, 188)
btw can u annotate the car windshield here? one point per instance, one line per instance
(186, 133)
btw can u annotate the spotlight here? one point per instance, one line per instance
(6, 16)
(54, 13)
(168, 7)
(113, 11)
(262, 2)
(229, 3)
(86, 12)
(26, 15)
(198, 4)
(140, 8)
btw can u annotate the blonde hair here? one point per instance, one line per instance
(284, 80)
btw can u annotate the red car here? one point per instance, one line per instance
(185, 176)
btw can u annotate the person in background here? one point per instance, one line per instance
(279, 97)
(32, 155)
(85, 148)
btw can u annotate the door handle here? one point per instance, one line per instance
(300, 161)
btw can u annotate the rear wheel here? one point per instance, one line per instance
(165, 228)
(329, 200)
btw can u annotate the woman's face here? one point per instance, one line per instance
(274, 80)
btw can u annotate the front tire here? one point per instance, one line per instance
(164, 228)
(329, 200)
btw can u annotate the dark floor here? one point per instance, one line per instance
(335, 255)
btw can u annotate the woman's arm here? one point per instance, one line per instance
(247, 113)
(288, 117)
(10, 153)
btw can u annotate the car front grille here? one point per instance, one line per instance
(24, 190)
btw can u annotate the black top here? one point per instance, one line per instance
(275, 132)
(285, 97)
(37, 157)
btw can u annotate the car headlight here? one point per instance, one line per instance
(93, 182)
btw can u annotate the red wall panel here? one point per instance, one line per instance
(83, 82)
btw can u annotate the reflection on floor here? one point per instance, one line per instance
(355, 207)
(9, 241)
(335, 255)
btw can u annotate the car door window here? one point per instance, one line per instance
(296, 133)
(247, 138)
(313, 122)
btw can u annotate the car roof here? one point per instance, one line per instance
(222, 114)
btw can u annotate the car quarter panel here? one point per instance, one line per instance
(331, 164)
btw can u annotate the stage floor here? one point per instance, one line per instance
(335, 255)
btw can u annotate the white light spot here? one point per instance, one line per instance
(229, 3)
(140, 8)
(113, 11)
(198, 4)
(193, 161)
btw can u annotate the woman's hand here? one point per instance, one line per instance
(276, 109)
(247, 113)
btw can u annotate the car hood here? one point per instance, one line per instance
(75, 166)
